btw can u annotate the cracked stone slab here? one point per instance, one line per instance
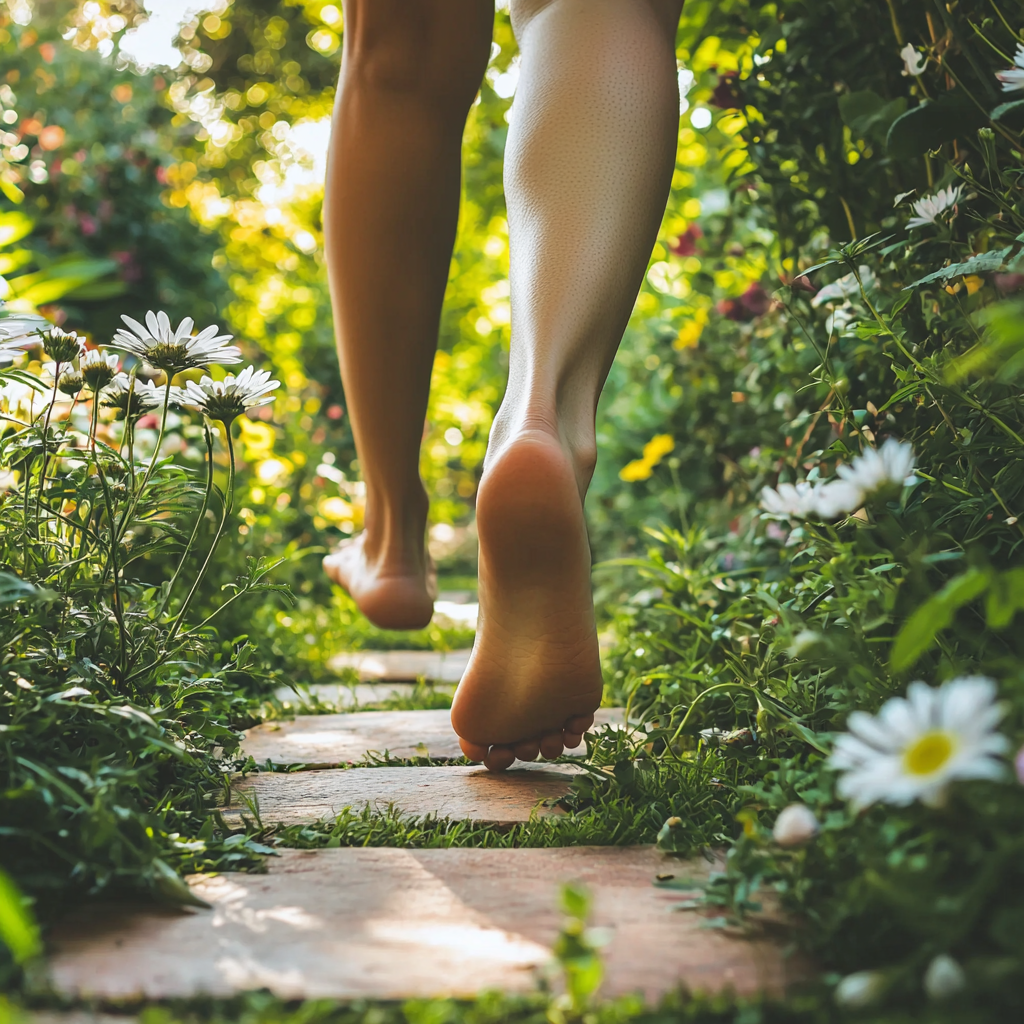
(396, 924)
(326, 741)
(440, 666)
(447, 791)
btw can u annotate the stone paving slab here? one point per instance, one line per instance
(342, 696)
(447, 791)
(326, 741)
(441, 666)
(393, 924)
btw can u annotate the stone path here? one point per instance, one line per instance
(442, 667)
(396, 923)
(327, 741)
(448, 791)
(392, 924)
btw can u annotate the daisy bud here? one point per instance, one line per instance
(62, 346)
(859, 989)
(795, 826)
(98, 368)
(944, 978)
(71, 383)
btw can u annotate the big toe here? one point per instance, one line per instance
(498, 759)
(474, 751)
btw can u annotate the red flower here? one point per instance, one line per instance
(686, 243)
(725, 95)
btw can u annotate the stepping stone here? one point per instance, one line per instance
(327, 741)
(342, 696)
(451, 791)
(441, 666)
(396, 924)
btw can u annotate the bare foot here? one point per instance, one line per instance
(534, 678)
(392, 594)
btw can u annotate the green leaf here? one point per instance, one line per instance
(172, 887)
(919, 631)
(953, 115)
(18, 929)
(14, 589)
(1010, 113)
(983, 263)
(867, 115)
(1005, 598)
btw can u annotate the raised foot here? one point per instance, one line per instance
(534, 678)
(391, 596)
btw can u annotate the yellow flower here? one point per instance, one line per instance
(973, 283)
(689, 335)
(658, 447)
(638, 469)
(654, 451)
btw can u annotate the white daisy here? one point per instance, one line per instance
(1013, 78)
(19, 331)
(174, 350)
(837, 498)
(913, 62)
(930, 208)
(892, 465)
(789, 500)
(98, 368)
(915, 746)
(128, 400)
(225, 399)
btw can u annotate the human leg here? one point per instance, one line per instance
(409, 73)
(587, 168)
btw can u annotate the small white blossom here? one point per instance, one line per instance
(944, 978)
(929, 208)
(837, 498)
(860, 989)
(913, 62)
(120, 394)
(98, 368)
(915, 746)
(892, 465)
(845, 286)
(795, 825)
(225, 399)
(174, 350)
(19, 331)
(789, 500)
(1013, 78)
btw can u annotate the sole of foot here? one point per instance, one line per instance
(389, 598)
(534, 678)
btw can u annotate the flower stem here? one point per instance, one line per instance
(137, 495)
(198, 523)
(225, 513)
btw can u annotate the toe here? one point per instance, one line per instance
(527, 750)
(572, 739)
(578, 725)
(551, 745)
(474, 751)
(499, 758)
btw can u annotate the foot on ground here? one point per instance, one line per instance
(391, 593)
(534, 678)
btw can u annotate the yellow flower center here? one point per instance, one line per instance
(928, 753)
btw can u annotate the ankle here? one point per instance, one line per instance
(578, 442)
(395, 532)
